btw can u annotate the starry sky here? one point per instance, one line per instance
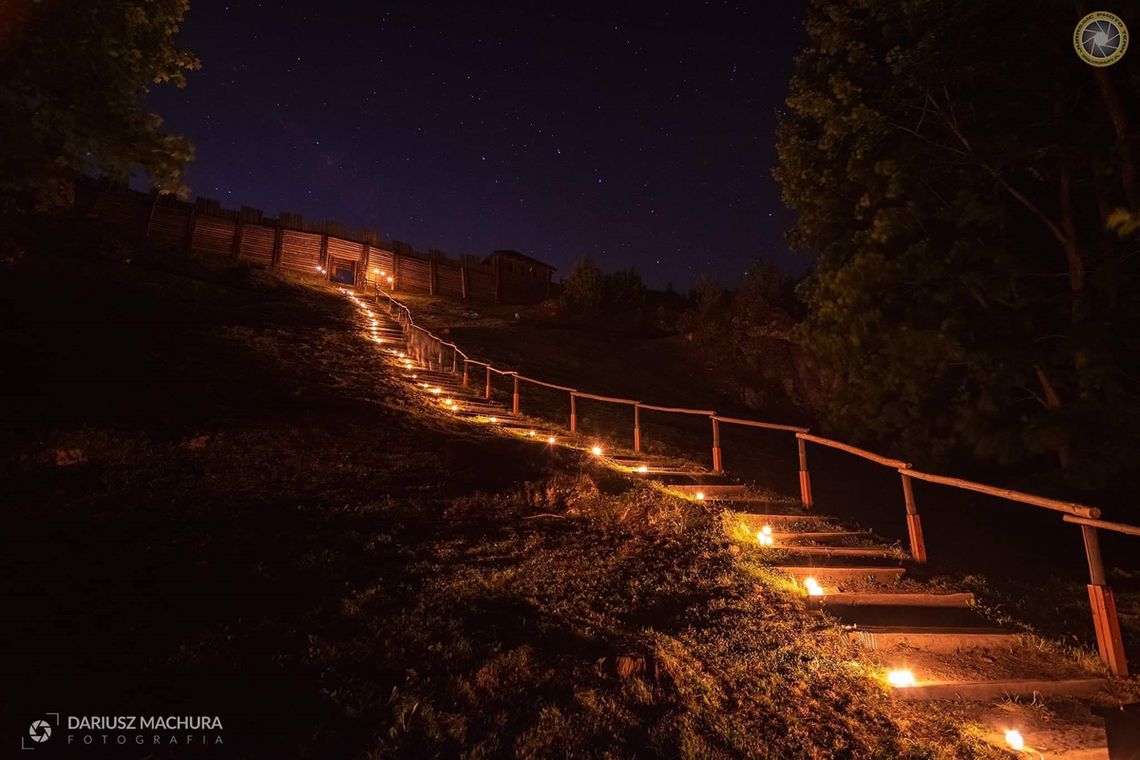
(642, 137)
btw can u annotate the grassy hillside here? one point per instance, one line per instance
(221, 501)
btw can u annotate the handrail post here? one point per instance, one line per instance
(913, 522)
(637, 428)
(1109, 643)
(515, 398)
(454, 360)
(439, 356)
(805, 476)
(487, 392)
(717, 463)
(466, 381)
(573, 413)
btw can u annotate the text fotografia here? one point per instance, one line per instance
(197, 730)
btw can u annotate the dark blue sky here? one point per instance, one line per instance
(640, 138)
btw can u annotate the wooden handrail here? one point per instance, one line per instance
(610, 399)
(766, 425)
(1072, 508)
(870, 455)
(1128, 530)
(545, 384)
(679, 410)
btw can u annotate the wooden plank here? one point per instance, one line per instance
(213, 236)
(839, 573)
(300, 251)
(933, 639)
(346, 250)
(869, 599)
(839, 551)
(998, 689)
(822, 535)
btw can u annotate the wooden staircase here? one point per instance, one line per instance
(855, 579)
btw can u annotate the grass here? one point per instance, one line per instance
(220, 500)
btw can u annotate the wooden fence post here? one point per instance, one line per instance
(239, 232)
(150, 213)
(278, 242)
(637, 428)
(432, 274)
(191, 223)
(805, 476)
(1109, 643)
(463, 286)
(717, 463)
(487, 392)
(323, 257)
(515, 399)
(913, 522)
(573, 414)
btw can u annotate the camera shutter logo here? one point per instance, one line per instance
(39, 731)
(1100, 39)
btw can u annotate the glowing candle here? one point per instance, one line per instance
(531, 434)
(901, 678)
(1014, 739)
(492, 419)
(699, 495)
(813, 587)
(596, 451)
(550, 440)
(643, 469)
(764, 539)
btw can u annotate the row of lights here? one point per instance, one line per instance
(899, 678)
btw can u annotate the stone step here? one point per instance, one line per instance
(832, 575)
(933, 639)
(868, 599)
(999, 689)
(874, 552)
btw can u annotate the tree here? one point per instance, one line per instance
(954, 170)
(584, 287)
(73, 78)
(623, 290)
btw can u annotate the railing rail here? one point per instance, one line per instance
(1105, 618)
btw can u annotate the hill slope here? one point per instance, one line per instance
(221, 502)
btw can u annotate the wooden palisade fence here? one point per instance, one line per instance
(432, 350)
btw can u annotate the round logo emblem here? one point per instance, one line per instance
(1100, 39)
(39, 731)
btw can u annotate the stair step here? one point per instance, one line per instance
(987, 690)
(820, 536)
(933, 639)
(881, 552)
(712, 492)
(755, 521)
(826, 575)
(857, 599)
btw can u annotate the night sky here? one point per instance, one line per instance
(640, 138)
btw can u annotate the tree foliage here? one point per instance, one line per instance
(955, 169)
(73, 79)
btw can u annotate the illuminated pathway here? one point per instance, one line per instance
(927, 644)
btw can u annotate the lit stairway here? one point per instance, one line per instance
(848, 575)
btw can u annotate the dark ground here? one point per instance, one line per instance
(218, 501)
